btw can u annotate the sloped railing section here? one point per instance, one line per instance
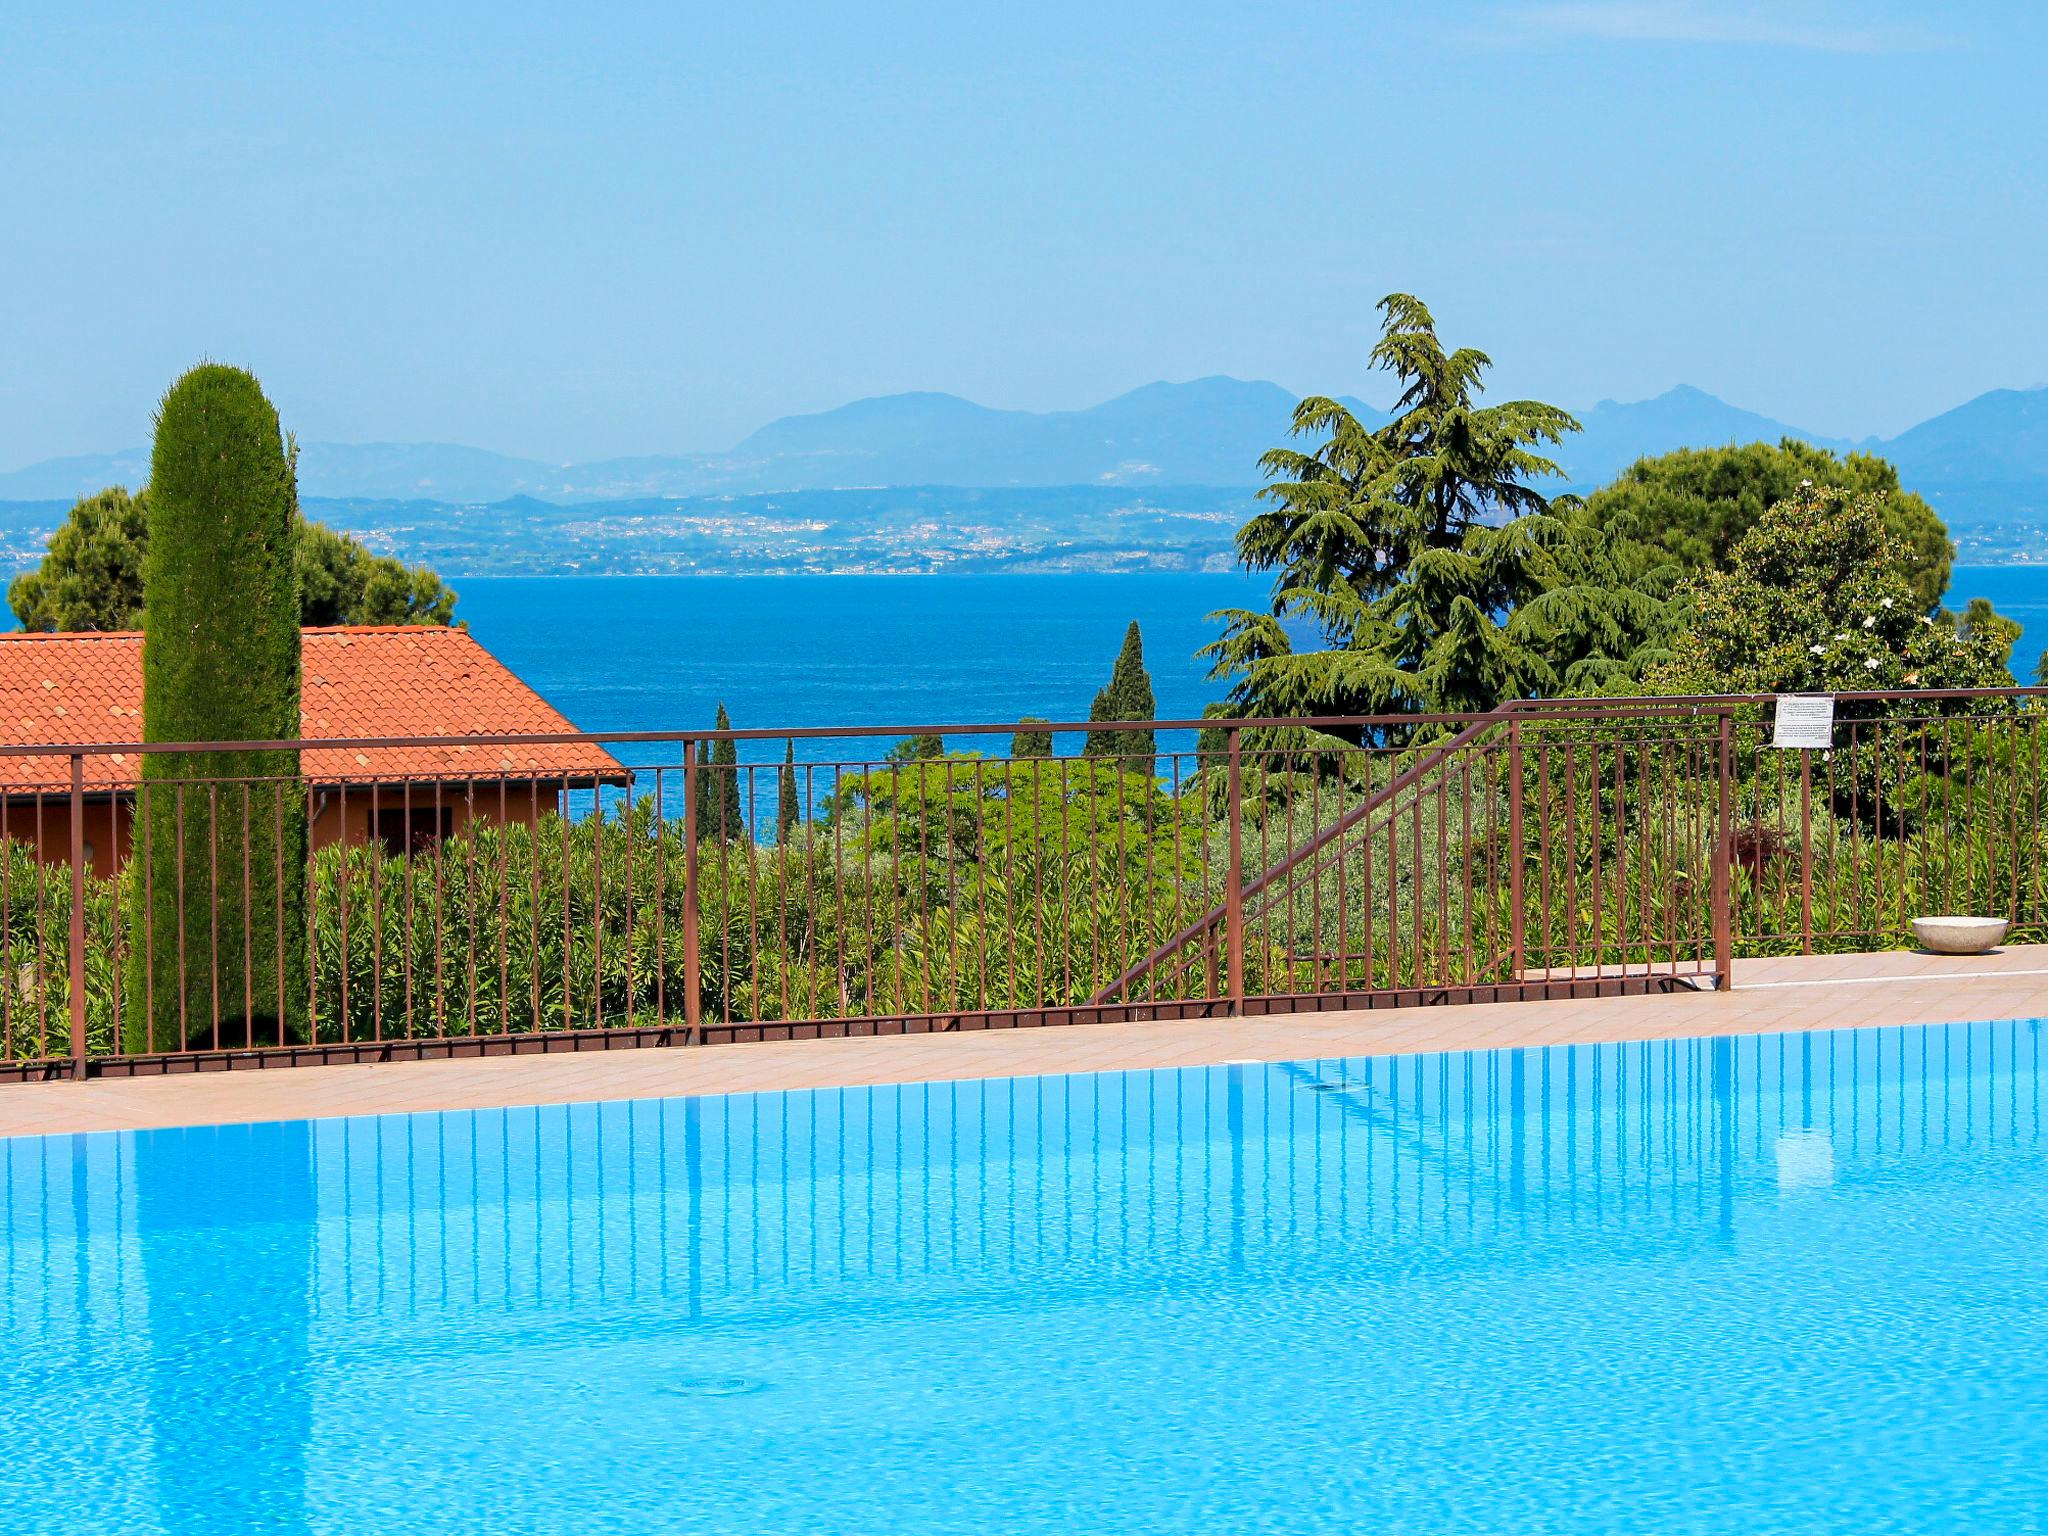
(744, 885)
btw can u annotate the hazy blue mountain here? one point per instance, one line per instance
(2000, 437)
(422, 471)
(1617, 434)
(79, 475)
(1207, 432)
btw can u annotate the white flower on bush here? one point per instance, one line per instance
(1818, 650)
(1884, 603)
(1927, 619)
(1871, 622)
(1870, 663)
(1841, 637)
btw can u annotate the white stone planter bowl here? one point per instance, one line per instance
(1959, 935)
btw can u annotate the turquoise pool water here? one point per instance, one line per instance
(1792, 1284)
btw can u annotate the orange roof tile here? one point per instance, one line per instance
(396, 680)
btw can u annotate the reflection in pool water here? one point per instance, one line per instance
(1790, 1283)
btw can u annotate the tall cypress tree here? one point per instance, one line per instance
(719, 816)
(788, 807)
(217, 946)
(1128, 697)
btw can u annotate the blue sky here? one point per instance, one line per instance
(575, 231)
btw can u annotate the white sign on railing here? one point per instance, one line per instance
(1805, 720)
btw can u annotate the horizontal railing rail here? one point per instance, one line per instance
(436, 895)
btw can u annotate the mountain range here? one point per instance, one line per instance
(1207, 432)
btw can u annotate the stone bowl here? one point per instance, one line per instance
(1959, 935)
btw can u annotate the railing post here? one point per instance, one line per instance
(1805, 851)
(1233, 874)
(78, 916)
(1518, 933)
(693, 992)
(1724, 850)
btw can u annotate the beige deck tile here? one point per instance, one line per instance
(1783, 994)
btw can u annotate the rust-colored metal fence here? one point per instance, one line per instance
(744, 885)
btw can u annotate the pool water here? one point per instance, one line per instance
(1797, 1284)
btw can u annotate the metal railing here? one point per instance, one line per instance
(754, 884)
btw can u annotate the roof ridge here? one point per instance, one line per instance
(53, 636)
(71, 634)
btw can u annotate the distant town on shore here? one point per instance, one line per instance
(1158, 479)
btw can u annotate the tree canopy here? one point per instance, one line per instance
(1697, 503)
(1435, 576)
(1818, 597)
(91, 576)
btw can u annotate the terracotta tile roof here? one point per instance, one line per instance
(80, 689)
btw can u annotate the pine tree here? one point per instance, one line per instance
(788, 808)
(720, 818)
(917, 749)
(1128, 697)
(1028, 742)
(220, 662)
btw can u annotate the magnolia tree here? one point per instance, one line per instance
(1816, 598)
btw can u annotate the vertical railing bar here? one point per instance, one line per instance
(1724, 943)
(213, 900)
(1518, 933)
(693, 988)
(505, 904)
(1233, 872)
(347, 955)
(660, 905)
(248, 925)
(77, 957)
(284, 1002)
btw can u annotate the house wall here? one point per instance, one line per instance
(109, 825)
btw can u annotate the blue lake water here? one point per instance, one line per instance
(661, 652)
(1791, 1284)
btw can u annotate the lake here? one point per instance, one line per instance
(661, 652)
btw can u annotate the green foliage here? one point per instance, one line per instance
(720, 816)
(918, 748)
(1128, 696)
(1697, 503)
(1029, 741)
(343, 583)
(789, 812)
(91, 576)
(1818, 598)
(220, 662)
(1413, 551)
(933, 886)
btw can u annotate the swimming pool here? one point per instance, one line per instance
(1795, 1283)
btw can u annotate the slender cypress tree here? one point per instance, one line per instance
(217, 951)
(1128, 697)
(1031, 742)
(788, 808)
(720, 818)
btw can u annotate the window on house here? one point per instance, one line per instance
(417, 830)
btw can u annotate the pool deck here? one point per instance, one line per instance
(1769, 997)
